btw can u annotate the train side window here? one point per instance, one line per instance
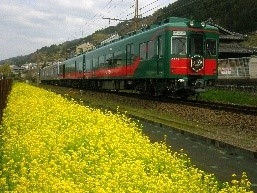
(159, 46)
(91, 64)
(80, 67)
(71, 67)
(133, 54)
(88, 65)
(130, 53)
(150, 49)
(101, 60)
(179, 45)
(51, 71)
(109, 59)
(117, 59)
(67, 68)
(211, 47)
(95, 62)
(142, 51)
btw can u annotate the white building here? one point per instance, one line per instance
(84, 48)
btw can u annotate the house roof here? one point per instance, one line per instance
(235, 48)
(226, 34)
(229, 41)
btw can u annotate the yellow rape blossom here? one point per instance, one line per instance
(51, 144)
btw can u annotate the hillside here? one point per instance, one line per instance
(237, 16)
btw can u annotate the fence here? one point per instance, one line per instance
(5, 88)
(234, 68)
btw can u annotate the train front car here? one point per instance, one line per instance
(193, 56)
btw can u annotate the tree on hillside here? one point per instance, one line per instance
(98, 37)
(5, 70)
(237, 16)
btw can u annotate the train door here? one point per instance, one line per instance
(159, 55)
(63, 71)
(84, 66)
(129, 57)
(196, 52)
(75, 69)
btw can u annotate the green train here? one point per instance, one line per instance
(176, 57)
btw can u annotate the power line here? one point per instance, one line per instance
(110, 7)
(183, 5)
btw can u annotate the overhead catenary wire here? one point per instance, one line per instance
(123, 15)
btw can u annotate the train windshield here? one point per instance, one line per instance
(179, 45)
(196, 44)
(211, 47)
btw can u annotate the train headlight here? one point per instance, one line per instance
(199, 24)
(191, 23)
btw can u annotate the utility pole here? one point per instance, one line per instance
(136, 18)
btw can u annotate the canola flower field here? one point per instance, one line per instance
(51, 144)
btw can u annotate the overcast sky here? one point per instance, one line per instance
(28, 25)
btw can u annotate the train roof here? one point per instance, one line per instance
(169, 22)
(172, 22)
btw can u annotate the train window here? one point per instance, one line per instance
(88, 65)
(150, 48)
(197, 44)
(55, 70)
(52, 71)
(211, 47)
(179, 45)
(75, 66)
(68, 68)
(117, 59)
(63, 70)
(101, 60)
(130, 53)
(91, 64)
(159, 46)
(109, 59)
(95, 62)
(142, 50)
(61, 66)
(133, 54)
(80, 67)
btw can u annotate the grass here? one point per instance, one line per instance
(233, 97)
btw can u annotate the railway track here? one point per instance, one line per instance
(239, 109)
